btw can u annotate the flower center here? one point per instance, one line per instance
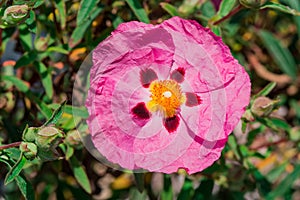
(166, 97)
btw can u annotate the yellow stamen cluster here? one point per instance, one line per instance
(166, 97)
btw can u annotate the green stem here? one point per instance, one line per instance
(7, 146)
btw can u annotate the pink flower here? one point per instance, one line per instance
(164, 97)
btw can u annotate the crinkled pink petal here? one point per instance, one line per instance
(210, 72)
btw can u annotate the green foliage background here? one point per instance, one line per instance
(43, 44)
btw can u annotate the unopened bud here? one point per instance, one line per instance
(14, 15)
(49, 137)
(263, 106)
(41, 44)
(29, 150)
(29, 134)
(47, 140)
(295, 133)
(73, 138)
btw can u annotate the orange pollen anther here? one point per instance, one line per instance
(166, 97)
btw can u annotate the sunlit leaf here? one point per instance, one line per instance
(169, 8)
(80, 174)
(138, 10)
(85, 10)
(56, 114)
(80, 30)
(61, 7)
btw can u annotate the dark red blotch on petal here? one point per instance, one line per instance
(192, 99)
(171, 123)
(147, 76)
(178, 74)
(140, 111)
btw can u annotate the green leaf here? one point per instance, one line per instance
(57, 49)
(295, 5)
(25, 89)
(69, 152)
(281, 55)
(167, 193)
(276, 172)
(225, 7)
(138, 10)
(25, 37)
(280, 7)
(56, 114)
(285, 185)
(31, 21)
(169, 8)
(80, 30)
(72, 110)
(25, 187)
(38, 3)
(266, 90)
(26, 59)
(15, 170)
(139, 181)
(279, 123)
(117, 21)
(85, 10)
(61, 7)
(262, 184)
(45, 77)
(80, 174)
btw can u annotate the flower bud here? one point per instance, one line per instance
(47, 140)
(73, 138)
(263, 106)
(14, 15)
(295, 133)
(252, 3)
(29, 134)
(41, 44)
(29, 150)
(49, 137)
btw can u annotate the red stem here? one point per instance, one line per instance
(233, 12)
(6, 146)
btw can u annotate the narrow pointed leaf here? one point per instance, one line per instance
(281, 55)
(281, 8)
(20, 85)
(45, 77)
(15, 170)
(25, 187)
(138, 10)
(80, 30)
(285, 185)
(80, 174)
(61, 7)
(85, 10)
(56, 114)
(169, 8)
(266, 90)
(139, 181)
